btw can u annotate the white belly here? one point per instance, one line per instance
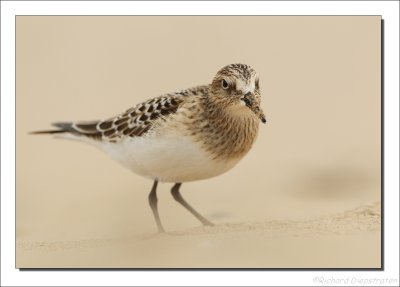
(167, 158)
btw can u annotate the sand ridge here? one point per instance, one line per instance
(366, 218)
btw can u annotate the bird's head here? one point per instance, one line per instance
(236, 88)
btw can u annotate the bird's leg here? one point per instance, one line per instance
(178, 197)
(153, 205)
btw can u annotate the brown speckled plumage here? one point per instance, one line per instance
(203, 113)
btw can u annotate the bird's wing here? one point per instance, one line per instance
(134, 122)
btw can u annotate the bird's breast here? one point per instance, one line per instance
(228, 138)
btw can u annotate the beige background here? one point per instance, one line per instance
(307, 194)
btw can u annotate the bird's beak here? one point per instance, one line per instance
(251, 102)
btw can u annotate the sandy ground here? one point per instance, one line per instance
(343, 240)
(306, 195)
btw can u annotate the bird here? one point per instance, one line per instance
(189, 135)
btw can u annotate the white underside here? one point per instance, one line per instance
(167, 158)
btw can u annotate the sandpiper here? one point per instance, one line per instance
(189, 135)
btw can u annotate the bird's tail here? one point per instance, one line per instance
(63, 127)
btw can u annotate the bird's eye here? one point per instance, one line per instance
(224, 84)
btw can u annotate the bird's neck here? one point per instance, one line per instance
(230, 134)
